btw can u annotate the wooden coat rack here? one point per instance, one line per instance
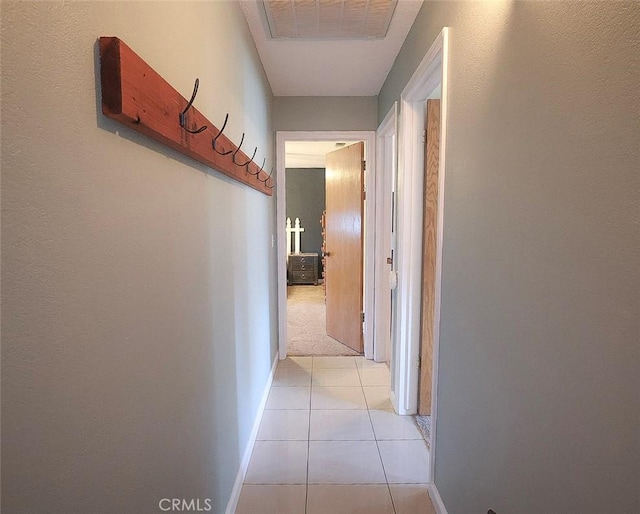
(138, 97)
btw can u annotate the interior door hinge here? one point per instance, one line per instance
(424, 137)
(362, 316)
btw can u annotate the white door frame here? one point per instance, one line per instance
(369, 183)
(386, 168)
(431, 73)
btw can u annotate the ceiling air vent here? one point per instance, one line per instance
(329, 19)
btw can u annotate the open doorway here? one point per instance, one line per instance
(310, 167)
(284, 269)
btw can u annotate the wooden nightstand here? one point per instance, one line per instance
(303, 268)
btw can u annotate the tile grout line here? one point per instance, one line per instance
(306, 489)
(360, 372)
(393, 505)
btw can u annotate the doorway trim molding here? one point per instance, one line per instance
(369, 215)
(430, 73)
(386, 172)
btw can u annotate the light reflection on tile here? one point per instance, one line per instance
(345, 462)
(336, 377)
(375, 377)
(340, 425)
(338, 398)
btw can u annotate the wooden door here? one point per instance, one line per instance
(431, 164)
(344, 250)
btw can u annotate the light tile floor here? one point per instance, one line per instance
(330, 443)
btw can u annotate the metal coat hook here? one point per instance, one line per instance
(215, 139)
(257, 174)
(269, 178)
(238, 149)
(183, 114)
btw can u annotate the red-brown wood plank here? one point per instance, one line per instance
(138, 97)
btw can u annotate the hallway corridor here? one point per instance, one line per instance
(330, 443)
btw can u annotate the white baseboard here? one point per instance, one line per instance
(438, 504)
(244, 463)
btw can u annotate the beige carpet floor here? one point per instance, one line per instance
(306, 324)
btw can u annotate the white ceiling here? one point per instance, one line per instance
(328, 67)
(310, 154)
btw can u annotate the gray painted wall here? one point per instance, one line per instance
(138, 287)
(325, 113)
(306, 200)
(538, 399)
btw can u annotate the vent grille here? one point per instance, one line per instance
(329, 19)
